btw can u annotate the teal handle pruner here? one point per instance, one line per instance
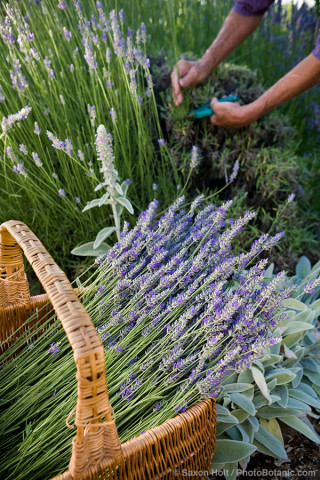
(206, 110)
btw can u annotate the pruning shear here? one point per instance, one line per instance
(206, 110)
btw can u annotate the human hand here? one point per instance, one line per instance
(186, 74)
(229, 114)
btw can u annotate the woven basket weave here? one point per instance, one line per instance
(181, 445)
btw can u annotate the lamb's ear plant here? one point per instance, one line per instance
(281, 387)
(114, 195)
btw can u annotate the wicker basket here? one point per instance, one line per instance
(172, 450)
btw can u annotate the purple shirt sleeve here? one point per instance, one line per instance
(316, 51)
(251, 8)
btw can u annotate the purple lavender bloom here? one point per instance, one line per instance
(109, 84)
(77, 200)
(61, 192)
(37, 129)
(23, 149)
(161, 142)
(54, 347)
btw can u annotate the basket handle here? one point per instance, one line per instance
(95, 438)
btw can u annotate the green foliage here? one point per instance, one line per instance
(281, 387)
(71, 99)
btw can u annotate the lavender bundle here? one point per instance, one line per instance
(184, 311)
(177, 312)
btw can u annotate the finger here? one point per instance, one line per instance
(190, 79)
(176, 91)
(214, 120)
(214, 103)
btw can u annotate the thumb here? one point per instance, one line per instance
(214, 103)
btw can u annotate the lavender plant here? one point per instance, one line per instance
(77, 66)
(115, 195)
(177, 311)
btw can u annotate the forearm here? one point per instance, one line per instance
(302, 77)
(235, 30)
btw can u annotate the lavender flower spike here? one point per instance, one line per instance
(235, 171)
(194, 157)
(8, 122)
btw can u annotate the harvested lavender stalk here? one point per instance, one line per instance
(177, 312)
(184, 311)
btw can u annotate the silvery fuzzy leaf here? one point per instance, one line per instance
(272, 425)
(222, 410)
(303, 267)
(244, 435)
(234, 434)
(296, 327)
(306, 316)
(292, 339)
(246, 376)
(261, 382)
(227, 419)
(254, 422)
(294, 304)
(230, 471)
(260, 401)
(269, 271)
(316, 388)
(102, 235)
(232, 378)
(282, 391)
(302, 426)
(236, 387)
(294, 403)
(124, 187)
(283, 375)
(303, 387)
(315, 305)
(270, 359)
(243, 402)
(272, 384)
(304, 397)
(224, 426)
(259, 365)
(91, 204)
(275, 349)
(275, 412)
(310, 364)
(231, 451)
(288, 353)
(270, 442)
(249, 393)
(87, 250)
(118, 188)
(103, 199)
(119, 210)
(98, 187)
(125, 203)
(299, 371)
(262, 449)
(313, 377)
(249, 429)
(240, 414)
